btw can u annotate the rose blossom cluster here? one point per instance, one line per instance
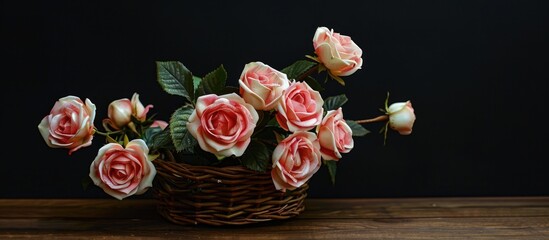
(121, 171)
(223, 125)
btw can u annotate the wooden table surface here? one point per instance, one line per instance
(398, 218)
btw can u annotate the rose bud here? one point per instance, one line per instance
(138, 110)
(401, 117)
(119, 113)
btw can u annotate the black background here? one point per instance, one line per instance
(475, 71)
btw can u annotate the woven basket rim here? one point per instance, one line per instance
(221, 195)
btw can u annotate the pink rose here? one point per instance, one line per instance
(262, 86)
(69, 124)
(295, 160)
(334, 135)
(300, 108)
(401, 117)
(339, 54)
(122, 172)
(223, 124)
(120, 112)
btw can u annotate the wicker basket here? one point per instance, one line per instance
(232, 195)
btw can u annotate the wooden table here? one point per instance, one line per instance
(410, 218)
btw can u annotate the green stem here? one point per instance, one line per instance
(106, 134)
(308, 72)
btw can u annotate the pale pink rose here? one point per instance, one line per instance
(300, 108)
(123, 172)
(262, 86)
(223, 124)
(334, 135)
(402, 117)
(339, 54)
(119, 113)
(69, 124)
(138, 110)
(295, 160)
(159, 123)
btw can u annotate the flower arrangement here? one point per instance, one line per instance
(275, 121)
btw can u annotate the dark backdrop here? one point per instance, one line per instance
(475, 71)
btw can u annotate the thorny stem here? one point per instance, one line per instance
(376, 119)
(307, 73)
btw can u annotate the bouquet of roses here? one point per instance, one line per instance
(275, 120)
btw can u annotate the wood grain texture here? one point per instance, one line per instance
(410, 218)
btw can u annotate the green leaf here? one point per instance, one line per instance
(314, 84)
(198, 90)
(334, 102)
(181, 137)
(264, 118)
(214, 82)
(231, 89)
(279, 137)
(257, 157)
(175, 79)
(358, 130)
(298, 69)
(272, 122)
(196, 81)
(156, 138)
(268, 136)
(332, 167)
(150, 133)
